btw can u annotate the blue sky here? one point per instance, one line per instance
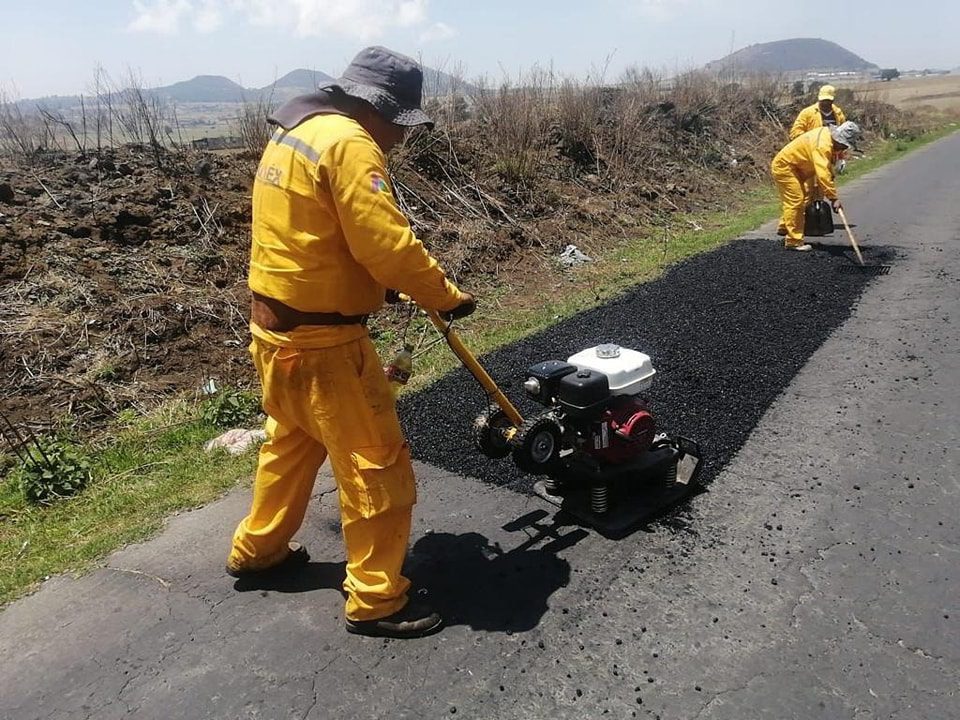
(53, 46)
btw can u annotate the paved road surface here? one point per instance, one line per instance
(818, 578)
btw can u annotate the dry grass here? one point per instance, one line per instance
(938, 93)
(251, 124)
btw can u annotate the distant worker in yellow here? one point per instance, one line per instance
(811, 156)
(823, 113)
(328, 241)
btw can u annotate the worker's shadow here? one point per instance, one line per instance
(470, 580)
(474, 582)
(312, 576)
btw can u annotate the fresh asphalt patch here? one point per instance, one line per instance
(727, 331)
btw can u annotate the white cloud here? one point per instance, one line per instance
(159, 16)
(660, 9)
(361, 19)
(437, 32)
(257, 12)
(411, 13)
(208, 16)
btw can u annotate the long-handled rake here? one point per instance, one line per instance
(853, 240)
(861, 268)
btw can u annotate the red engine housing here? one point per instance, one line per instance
(623, 431)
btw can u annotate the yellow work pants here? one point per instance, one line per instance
(792, 198)
(811, 192)
(332, 401)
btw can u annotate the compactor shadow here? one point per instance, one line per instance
(477, 583)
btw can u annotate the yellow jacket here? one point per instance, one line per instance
(810, 119)
(810, 155)
(327, 233)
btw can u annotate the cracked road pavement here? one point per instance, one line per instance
(818, 578)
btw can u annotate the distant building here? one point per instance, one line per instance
(223, 142)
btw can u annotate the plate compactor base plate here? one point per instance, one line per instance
(636, 493)
(628, 510)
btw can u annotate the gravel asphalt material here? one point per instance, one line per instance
(727, 332)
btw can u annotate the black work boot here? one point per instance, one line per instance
(414, 620)
(296, 558)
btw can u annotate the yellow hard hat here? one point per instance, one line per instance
(827, 92)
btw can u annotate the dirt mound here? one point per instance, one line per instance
(120, 282)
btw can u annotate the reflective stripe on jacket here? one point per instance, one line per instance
(327, 233)
(811, 155)
(810, 118)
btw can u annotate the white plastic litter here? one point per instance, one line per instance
(572, 255)
(236, 441)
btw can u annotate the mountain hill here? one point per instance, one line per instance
(794, 55)
(218, 89)
(439, 83)
(296, 82)
(301, 78)
(202, 88)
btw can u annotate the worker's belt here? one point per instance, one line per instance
(274, 315)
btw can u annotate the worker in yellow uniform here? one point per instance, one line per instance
(823, 113)
(328, 241)
(809, 156)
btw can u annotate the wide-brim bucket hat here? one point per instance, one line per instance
(392, 83)
(847, 133)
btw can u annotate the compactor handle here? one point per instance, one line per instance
(471, 363)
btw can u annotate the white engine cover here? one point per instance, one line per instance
(628, 371)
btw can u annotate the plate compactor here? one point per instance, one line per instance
(595, 443)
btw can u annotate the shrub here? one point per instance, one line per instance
(252, 125)
(53, 469)
(231, 408)
(516, 121)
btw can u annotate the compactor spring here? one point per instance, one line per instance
(670, 476)
(600, 499)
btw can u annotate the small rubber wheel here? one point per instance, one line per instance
(490, 432)
(536, 446)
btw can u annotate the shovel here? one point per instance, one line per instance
(853, 240)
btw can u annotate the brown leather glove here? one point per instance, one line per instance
(466, 307)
